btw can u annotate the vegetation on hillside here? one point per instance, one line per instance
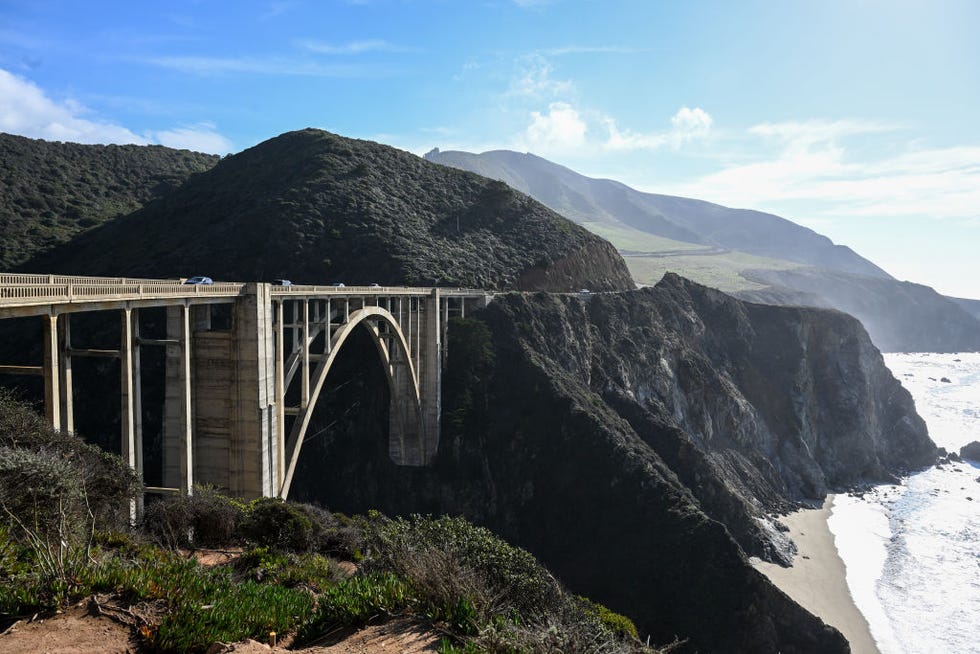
(64, 535)
(317, 208)
(51, 191)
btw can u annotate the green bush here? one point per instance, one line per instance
(311, 571)
(99, 485)
(512, 575)
(272, 522)
(204, 519)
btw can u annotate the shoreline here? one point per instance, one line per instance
(817, 581)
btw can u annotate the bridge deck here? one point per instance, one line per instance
(24, 295)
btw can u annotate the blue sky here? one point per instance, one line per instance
(858, 119)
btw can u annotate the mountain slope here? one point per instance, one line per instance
(585, 199)
(317, 207)
(800, 266)
(902, 316)
(51, 191)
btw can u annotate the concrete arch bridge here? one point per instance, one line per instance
(227, 421)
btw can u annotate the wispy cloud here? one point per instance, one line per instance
(591, 49)
(535, 80)
(25, 109)
(686, 125)
(265, 66)
(818, 162)
(533, 4)
(350, 48)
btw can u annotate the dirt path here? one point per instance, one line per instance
(77, 631)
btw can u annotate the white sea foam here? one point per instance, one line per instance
(912, 551)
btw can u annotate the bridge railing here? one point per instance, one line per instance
(31, 293)
(307, 289)
(27, 278)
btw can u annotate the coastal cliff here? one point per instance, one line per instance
(637, 442)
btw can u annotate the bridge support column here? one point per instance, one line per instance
(256, 443)
(67, 393)
(280, 391)
(52, 372)
(130, 399)
(178, 427)
(430, 375)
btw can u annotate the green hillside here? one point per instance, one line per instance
(51, 191)
(318, 208)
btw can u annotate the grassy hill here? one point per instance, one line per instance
(633, 213)
(51, 191)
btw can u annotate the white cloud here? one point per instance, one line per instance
(202, 137)
(26, 110)
(817, 162)
(686, 125)
(560, 129)
(690, 123)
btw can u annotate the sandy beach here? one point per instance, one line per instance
(817, 579)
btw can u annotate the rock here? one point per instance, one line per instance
(946, 380)
(971, 451)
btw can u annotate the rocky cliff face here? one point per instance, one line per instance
(636, 441)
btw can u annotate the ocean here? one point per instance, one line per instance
(912, 550)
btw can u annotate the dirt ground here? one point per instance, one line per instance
(90, 628)
(79, 631)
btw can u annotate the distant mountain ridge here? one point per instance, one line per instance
(712, 244)
(585, 199)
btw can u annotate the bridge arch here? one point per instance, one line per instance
(405, 431)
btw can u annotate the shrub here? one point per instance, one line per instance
(106, 482)
(510, 575)
(204, 519)
(272, 522)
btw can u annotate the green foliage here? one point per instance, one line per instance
(101, 481)
(312, 571)
(473, 358)
(383, 215)
(50, 192)
(355, 601)
(232, 612)
(616, 623)
(272, 522)
(515, 576)
(55, 490)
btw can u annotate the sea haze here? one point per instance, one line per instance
(912, 550)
